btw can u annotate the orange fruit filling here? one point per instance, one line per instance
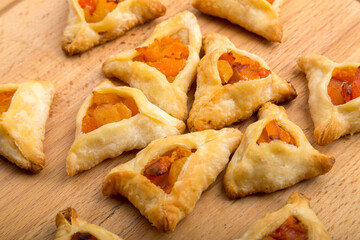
(344, 85)
(273, 131)
(83, 236)
(163, 171)
(233, 68)
(5, 101)
(291, 229)
(270, 1)
(108, 108)
(168, 55)
(96, 10)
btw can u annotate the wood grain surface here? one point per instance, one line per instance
(30, 36)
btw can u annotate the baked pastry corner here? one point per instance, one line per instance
(295, 218)
(70, 226)
(24, 110)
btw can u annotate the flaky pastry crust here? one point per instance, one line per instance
(171, 97)
(268, 167)
(79, 35)
(297, 206)
(331, 122)
(68, 223)
(22, 126)
(112, 139)
(257, 16)
(164, 210)
(215, 105)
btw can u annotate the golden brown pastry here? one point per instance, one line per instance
(70, 226)
(295, 220)
(274, 154)
(24, 109)
(113, 120)
(232, 84)
(94, 22)
(165, 180)
(334, 90)
(164, 66)
(257, 16)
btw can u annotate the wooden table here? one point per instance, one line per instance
(30, 35)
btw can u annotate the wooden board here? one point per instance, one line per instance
(30, 33)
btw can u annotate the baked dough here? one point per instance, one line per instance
(257, 16)
(79, 35)
(164, 211)
(112, 139)
(68, 223)
(218, 105)
(268, 167)
(297, 206)
(331, 121)
(171, 97)
(22, 126)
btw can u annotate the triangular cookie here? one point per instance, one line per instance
(164, 66)
(165, 180)
(94, 22)
(70, 226)
(295, 220)
(275, 154)
(334, 91)
(257, 16)
(24, 109)
(232, 84)
(113, 120)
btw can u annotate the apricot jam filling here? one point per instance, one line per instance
(344, 85)
(83, 236)
(163, 171)
(96, 10)
(291, 229)
(168, 55)
(273, 131)
(271, 1)
(107, 108)
(233, 68)
(5, 100)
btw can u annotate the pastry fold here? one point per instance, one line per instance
(218, 105)
(330, 121)
(268, 167)
(79, 35)
(164, 211)
(257, 16)
(69, 223)
(297, 206)
(112, 139)
(169, 96)
(22, 126)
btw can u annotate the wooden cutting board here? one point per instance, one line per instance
(30, 36)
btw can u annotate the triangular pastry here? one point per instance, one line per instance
(70, 226)
(113, 120)
(164, 66)
(257, 16)
(165, 180)
(334, 90)
(94, 22)
(274, 154)
(232, 84)
(24, 109)
(295, 220)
